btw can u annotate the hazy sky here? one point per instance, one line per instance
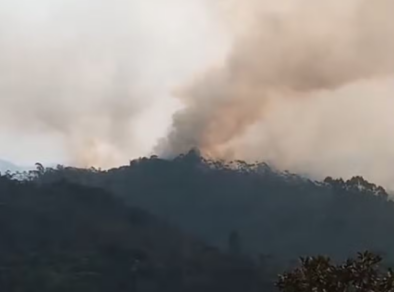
(306, 85)
(159, 44)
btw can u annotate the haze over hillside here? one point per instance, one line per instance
(264, 130)
(305, 85)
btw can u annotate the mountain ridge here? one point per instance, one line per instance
(276, 213)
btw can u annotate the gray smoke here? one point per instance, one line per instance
(308, 86)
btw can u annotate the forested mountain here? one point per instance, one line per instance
(69, 238)
(187, 224)
(275, 214)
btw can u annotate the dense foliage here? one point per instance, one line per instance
(319, 274)
(69, 229)
(69, 238)
(275, 213)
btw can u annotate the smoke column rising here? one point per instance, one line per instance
(307, 86)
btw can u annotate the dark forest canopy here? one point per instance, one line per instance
(64, 237)
(187, 224)
(319, 274)
(276, 213)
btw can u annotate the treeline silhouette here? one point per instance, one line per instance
(275, 213)
(186, 224)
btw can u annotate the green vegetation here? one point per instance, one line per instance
(319, 274)
(189, 224)
(277, 214)
(71, 238)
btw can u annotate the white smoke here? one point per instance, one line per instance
(99, 74)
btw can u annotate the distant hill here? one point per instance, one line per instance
(276, 214)
(11, 167)
(8, 166)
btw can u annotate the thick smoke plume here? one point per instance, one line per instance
(57, 76)
(97, 74)
(308, 86)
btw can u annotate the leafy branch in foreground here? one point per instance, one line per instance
(319, 274)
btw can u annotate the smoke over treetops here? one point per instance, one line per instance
(307, 85)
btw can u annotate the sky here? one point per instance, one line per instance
(44, 46)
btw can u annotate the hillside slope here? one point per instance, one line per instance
(277, 214)
(68, 237)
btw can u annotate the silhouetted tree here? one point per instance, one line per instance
(319, 274)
